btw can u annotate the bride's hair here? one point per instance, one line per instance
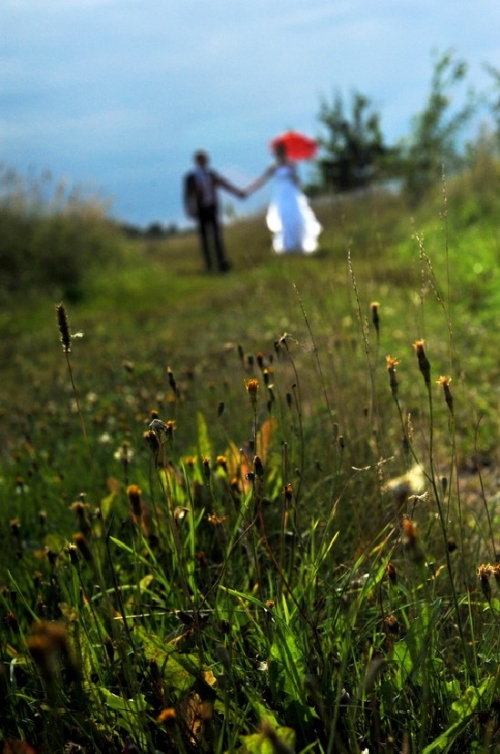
(280, 149)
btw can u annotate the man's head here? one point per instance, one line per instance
(201, 158)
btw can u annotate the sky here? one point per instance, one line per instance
(114, 96)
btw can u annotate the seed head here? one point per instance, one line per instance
(134, 499)
(252, 387)
(170, 429)
(444, 380)
(15, 527)
(375, 316)
(215, 519)
(423, 361)
(81, 511)
(259, 468)
(157, 425)
(391, 572)
(151, 438)
(391, 624)
(409, 533)
(392, 363)
(410, 541)
(483, 574)
(235, 485)
(241, 354)
(206, 467)
(83, 546)
(222, 462)
(172, 382)
(63, 325)
(50, 650)
(72, 551)
(451, 545)
(167, 717)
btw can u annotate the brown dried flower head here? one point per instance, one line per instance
(423, 361)
(215, 519)
(151, 438)
(391, 572)
(170, 429)
(206, 467)
(495, 570)
(63, 325)
(49, 647)
(83, 546)
(483, 573)
(167, 717)
(375, 315)
(409, 533)
(258, 466)
(392, 363)
(444, 381)
(134, 498)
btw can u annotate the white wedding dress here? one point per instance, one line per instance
(289, 217)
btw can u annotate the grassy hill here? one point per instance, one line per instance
(257, 512)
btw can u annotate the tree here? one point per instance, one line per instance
(495, 105)
(353, 147)
(433, 143)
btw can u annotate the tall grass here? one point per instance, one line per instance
(53, 236)
(287, 546)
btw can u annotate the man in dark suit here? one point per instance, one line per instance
(201, 204)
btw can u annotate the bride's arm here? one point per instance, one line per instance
(260, 181)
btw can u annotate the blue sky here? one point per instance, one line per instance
(115, 95)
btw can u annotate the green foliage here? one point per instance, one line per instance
(353, 149)
(494, 104)
(52, 242)
(307, 567)
(433, 145)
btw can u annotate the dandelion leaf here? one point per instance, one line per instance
(463, 711)
(260, 743)
(179, 671)
(129, 712)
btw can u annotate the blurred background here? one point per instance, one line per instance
(115, 95)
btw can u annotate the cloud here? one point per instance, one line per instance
(48, 6)
(114, 88)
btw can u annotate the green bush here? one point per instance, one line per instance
(52, 240)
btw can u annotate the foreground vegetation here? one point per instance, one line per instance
(257, 512)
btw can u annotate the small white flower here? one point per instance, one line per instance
(124, 454)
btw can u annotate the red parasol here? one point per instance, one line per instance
(298, 146)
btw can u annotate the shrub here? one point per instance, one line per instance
(52, 238)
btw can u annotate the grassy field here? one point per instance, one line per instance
(257, 512)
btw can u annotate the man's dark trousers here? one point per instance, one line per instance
(211, 237)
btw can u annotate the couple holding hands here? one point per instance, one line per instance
(291, 220)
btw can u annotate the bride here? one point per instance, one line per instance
(289, 217)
